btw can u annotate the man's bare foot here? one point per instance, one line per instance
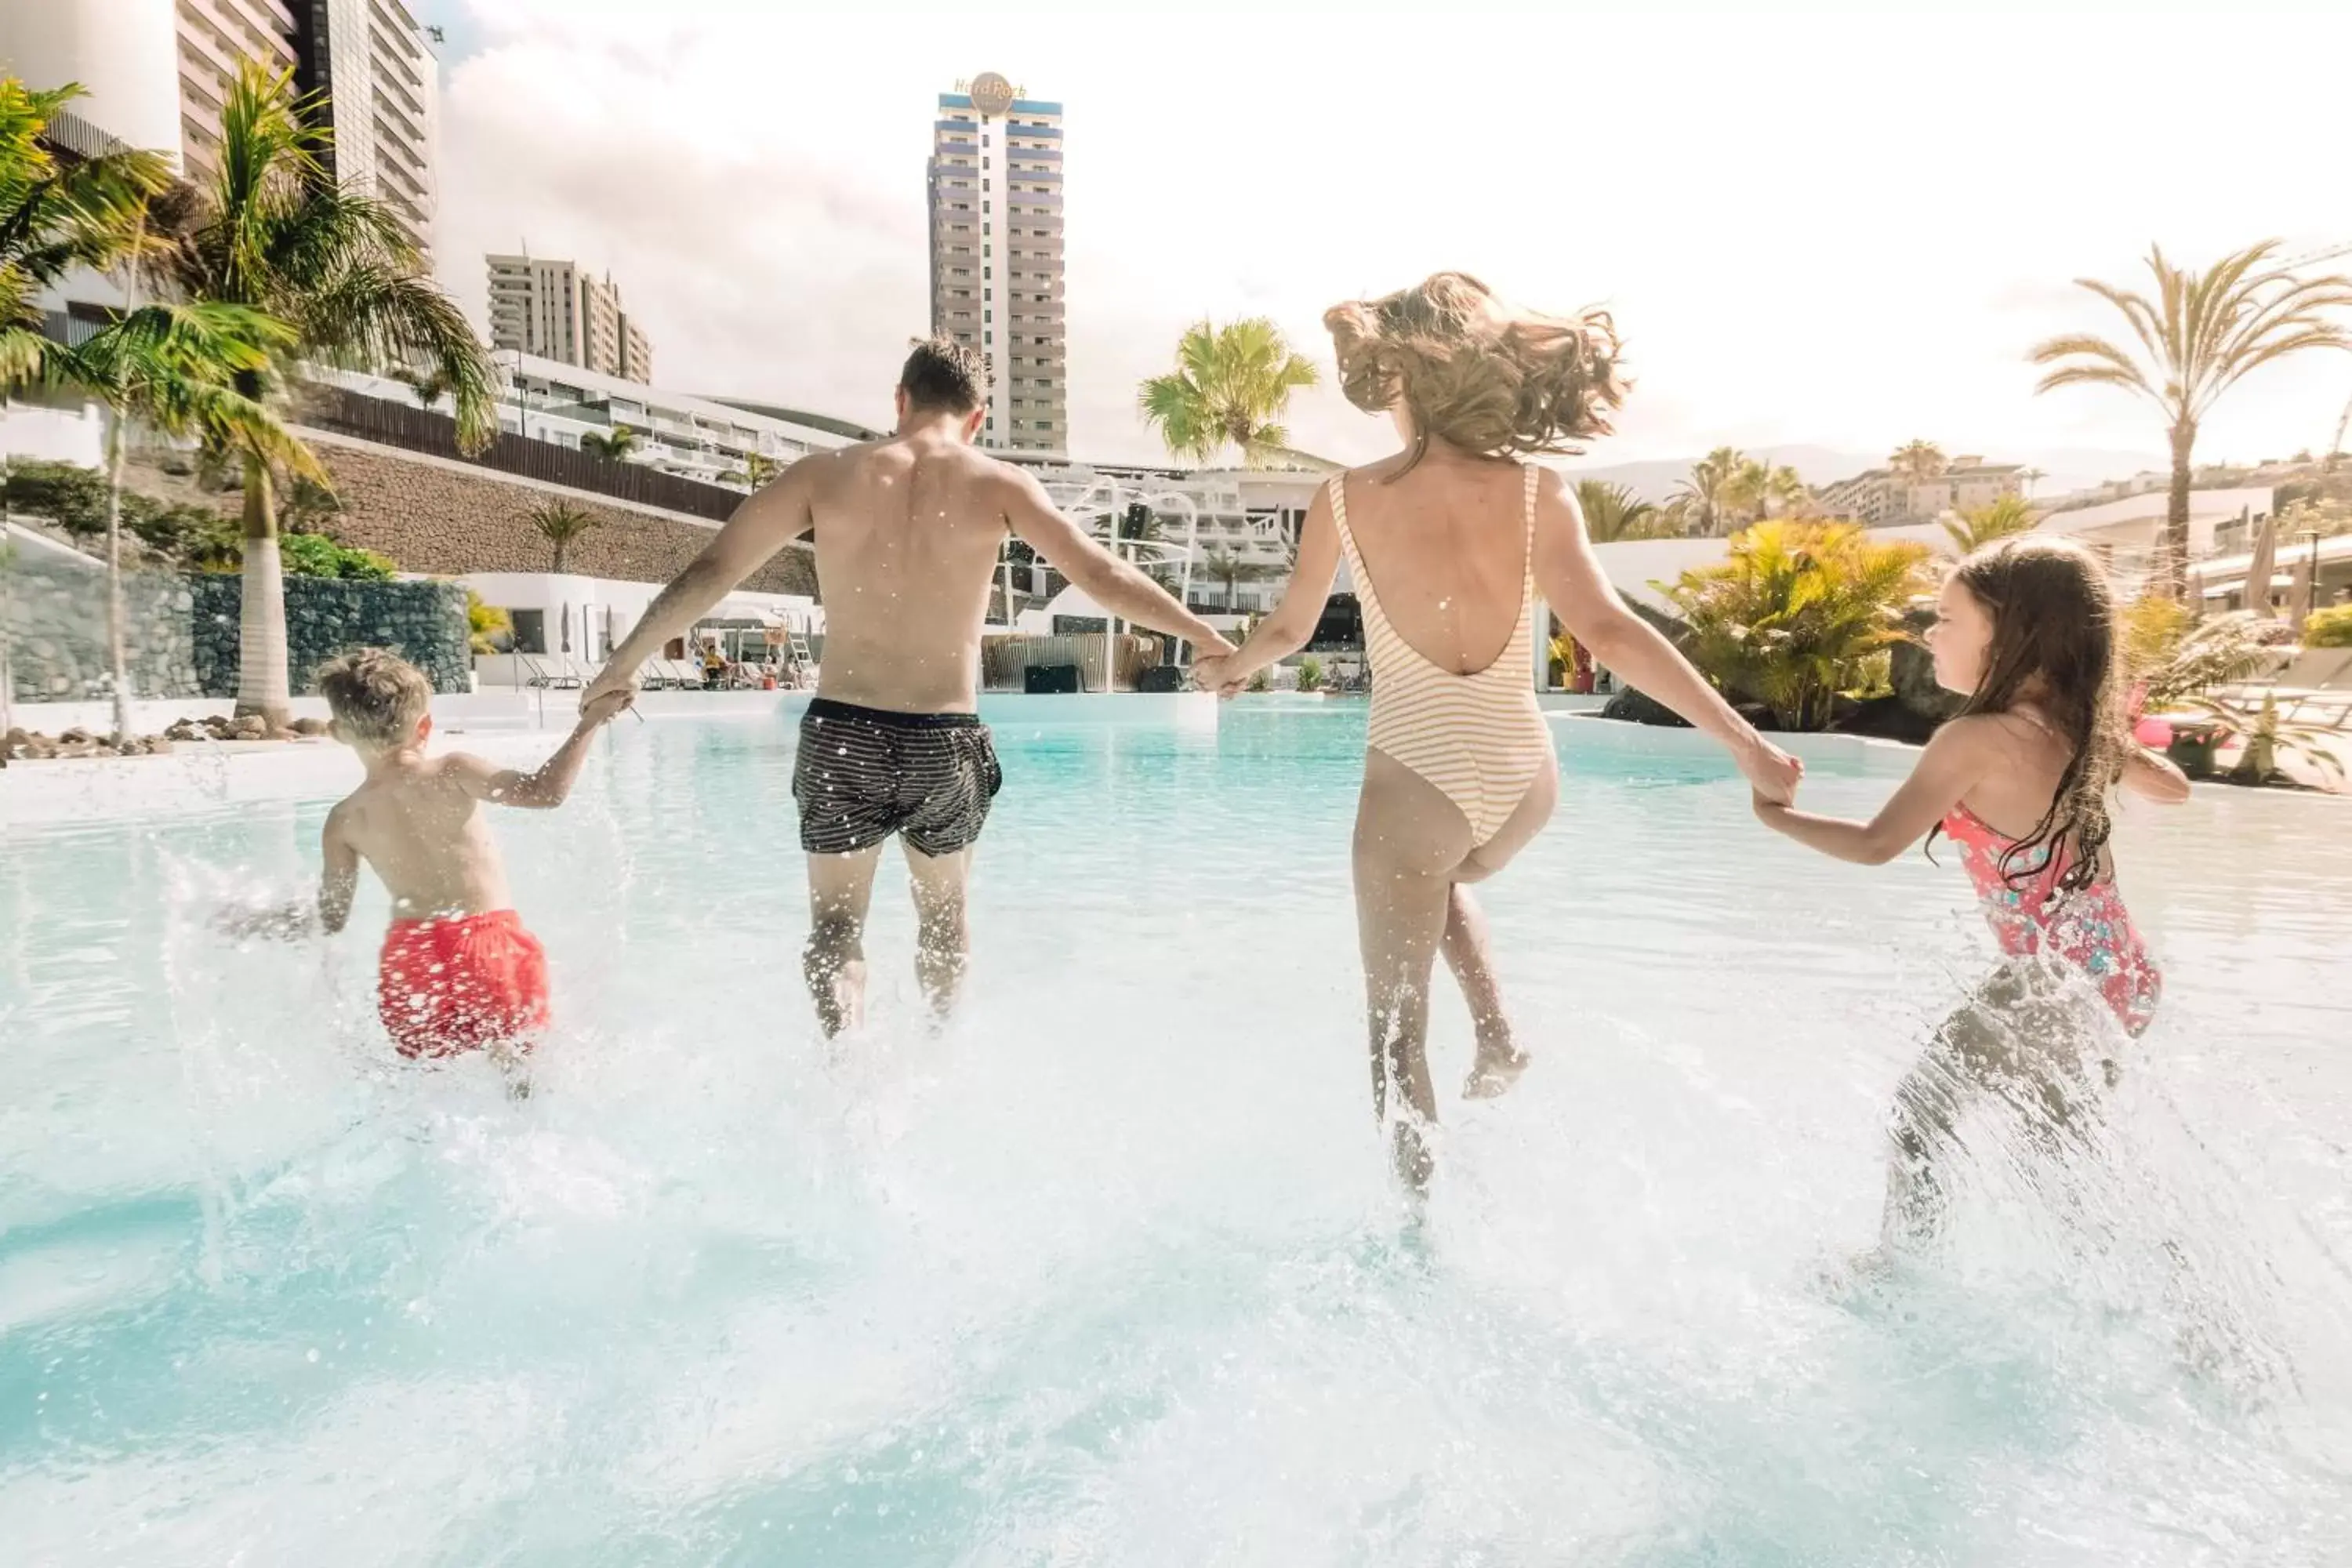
(1498, 1067)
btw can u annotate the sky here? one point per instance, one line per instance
(1840, 230)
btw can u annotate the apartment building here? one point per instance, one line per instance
(1881, 498)
(997, 274)
(159, 73)
(551, 308)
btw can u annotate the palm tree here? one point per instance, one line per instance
(2201, 333)
(1703, 502)
(1233, 570)
(173, 367)
(560, 522)
(275, 233)
(1230, 388)
(2032, 477)
(1917, 460)
(1760, 489)
(1980, 525)
(757, 471)
(616, 446)
(1612, 512)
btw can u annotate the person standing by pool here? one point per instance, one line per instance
(2025, 629)
(1445, 543)
(907, 535)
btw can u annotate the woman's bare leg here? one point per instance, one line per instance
(1500, 1060)
(1410, 839)
(1467, 954)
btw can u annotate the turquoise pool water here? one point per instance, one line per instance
(1108, 1272)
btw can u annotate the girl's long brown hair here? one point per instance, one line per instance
(1476, 374)
(2054, 630)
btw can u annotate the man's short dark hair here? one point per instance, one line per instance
(944, 374)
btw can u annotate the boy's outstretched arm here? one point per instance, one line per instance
(548, 785)
(339, 874)
(763, 524)
(339, 879)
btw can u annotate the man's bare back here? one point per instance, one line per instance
(908, 533)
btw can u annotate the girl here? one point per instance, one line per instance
(1446, 541)
(2026, 630)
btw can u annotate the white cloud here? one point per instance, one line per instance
(1842, 231)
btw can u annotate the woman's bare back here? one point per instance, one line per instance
(1445, 546)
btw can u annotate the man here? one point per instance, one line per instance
(907, 531)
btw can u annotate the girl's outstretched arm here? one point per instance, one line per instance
(1961, 752)
(1285, 631)
(2154, 778)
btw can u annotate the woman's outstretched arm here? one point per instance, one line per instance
(1571, 579)
(1285, 631)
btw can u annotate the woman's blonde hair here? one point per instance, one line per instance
(1476, 374)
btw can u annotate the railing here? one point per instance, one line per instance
(348, 413)
(1003, 658)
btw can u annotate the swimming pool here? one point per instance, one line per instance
(1110, 1271)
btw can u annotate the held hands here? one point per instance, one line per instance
(1771, 772)
(602, 707)
(613, 680)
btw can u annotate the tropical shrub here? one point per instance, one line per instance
(2177, 658)
(2331, 627)
(1797, 614)
(1310, 674)
(67, 495)
(1980, 525)
(316, 555)
(490, 630)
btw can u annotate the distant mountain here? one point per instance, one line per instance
(2063, 468)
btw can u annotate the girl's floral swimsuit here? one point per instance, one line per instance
(2089, 928)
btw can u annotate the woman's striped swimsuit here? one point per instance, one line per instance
(1479, 738)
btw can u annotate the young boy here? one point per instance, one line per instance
(458, 972)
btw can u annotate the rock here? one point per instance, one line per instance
(218, 725)
(311, 727)
(1888, 717)
(77, 736)
(16, 743)
(252, 727)
(158, 745)
(1911, 672)
(1637, 708)
(186, 730)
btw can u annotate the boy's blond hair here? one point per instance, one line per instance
(376, 697)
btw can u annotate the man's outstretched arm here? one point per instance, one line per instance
(763, 524)
(1117, 586)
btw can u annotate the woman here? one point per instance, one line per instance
(1445, 543)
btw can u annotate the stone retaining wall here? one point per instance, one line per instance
(424, 622)
(53, 613)
(436, 517)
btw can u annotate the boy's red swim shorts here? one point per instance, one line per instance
(465, 984)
